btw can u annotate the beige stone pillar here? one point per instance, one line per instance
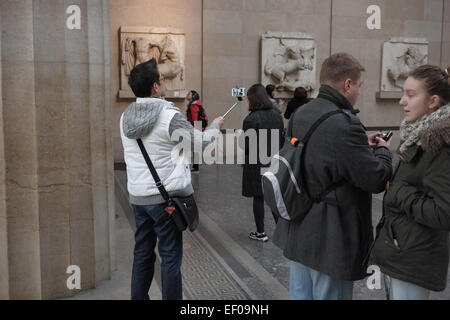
(58, 156)
(4, 273)
(20, 153)
(445, 49)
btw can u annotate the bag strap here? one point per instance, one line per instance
(318, 123)
(290, 125)
(321, 196)
(153, 171)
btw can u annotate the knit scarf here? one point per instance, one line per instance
(411, 132)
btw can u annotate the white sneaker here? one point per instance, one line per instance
(259, 236)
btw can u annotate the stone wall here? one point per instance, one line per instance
(400, 18)
(59, 209)
(4, 273)
(230, 42)
(445, 56)
(184, 15)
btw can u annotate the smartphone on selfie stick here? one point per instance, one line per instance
(239, 93)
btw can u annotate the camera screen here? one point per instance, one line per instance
(238, 92)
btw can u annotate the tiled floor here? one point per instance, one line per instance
(220, 261)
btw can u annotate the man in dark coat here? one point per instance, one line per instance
(329, 248)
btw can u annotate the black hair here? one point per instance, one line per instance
(270, 88)
(195, 98)
(300, 93)
(142, 78)
(258, 98)
(436, 81)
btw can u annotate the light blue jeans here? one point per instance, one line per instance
(308, 284)
(401, 290)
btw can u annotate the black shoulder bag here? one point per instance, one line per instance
(183, 210)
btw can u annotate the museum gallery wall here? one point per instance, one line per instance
(239, 43)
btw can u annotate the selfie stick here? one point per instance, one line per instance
(229, 110)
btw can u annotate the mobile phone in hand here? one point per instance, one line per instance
(387, 135)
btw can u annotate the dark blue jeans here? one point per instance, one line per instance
(154, 223)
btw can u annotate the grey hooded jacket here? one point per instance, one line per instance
(140, 118)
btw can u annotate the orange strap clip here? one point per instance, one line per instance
(294, 141)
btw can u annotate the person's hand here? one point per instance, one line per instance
(375, 141)
(219, 121)
(382, 143)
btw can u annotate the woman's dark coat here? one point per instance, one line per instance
(417, 214)
(293, 105)
(257, 120)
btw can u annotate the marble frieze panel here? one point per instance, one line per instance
(400, 57)
(166, 45)
(288, 61)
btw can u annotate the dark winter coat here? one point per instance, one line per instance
(259, 119)
(417, 213)
(293, 105)
(336, 235)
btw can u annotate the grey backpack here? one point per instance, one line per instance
(284, 184)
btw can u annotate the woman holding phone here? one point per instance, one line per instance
(412, 244)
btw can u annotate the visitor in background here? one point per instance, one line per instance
(263, 115)
(300, 98)
(196, 113)
(278, 103)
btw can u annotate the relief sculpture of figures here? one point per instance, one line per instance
(286, 66)
(137, 51)
(405, 64)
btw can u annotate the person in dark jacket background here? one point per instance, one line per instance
(329, 248)
(263, 115)
(412, 246)
(277, 102)
(300, 98)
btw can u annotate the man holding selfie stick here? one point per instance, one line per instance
(342, 168)
(154, 120)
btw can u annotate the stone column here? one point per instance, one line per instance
(445, 49)
(4, 273)
(60, 201)
(20, 154)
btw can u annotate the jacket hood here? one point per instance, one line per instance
(140, 117)
(437, 135)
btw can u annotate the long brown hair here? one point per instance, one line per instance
(258, 98)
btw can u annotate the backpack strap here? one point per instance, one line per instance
(318, 123)
(305, 140)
